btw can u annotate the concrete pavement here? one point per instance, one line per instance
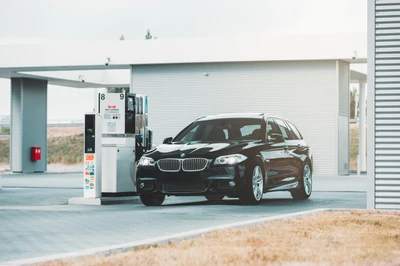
(36, 221)
(74, 180)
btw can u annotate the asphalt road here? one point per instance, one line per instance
(36, 221)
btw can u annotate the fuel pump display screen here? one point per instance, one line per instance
(131, 104)
(89, 124)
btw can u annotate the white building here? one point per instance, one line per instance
(313, 94)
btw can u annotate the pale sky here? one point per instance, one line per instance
(32, 20)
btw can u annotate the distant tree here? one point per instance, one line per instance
(118, 90)
(353, 101)
(148, 35)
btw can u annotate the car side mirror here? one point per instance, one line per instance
(167, 140)
(275, 138)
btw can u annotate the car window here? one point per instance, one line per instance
(190, 135)
(205, 133)
(291, 135)
(250, 131)
(221, 130)
(294, 131)
(226, 133)
(283, 128)
(272, 127)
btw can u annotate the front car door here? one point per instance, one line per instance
(275, 157)
(291, 148)
(298, 149)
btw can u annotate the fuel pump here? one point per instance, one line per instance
(143, 133)
(118, 143)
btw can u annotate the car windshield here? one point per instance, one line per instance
(221, 130)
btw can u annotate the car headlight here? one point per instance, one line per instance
(146, 161)
(230, 159)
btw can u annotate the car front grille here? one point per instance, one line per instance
(169, 165)
(194, 164)
(184, 187)
(187, 165)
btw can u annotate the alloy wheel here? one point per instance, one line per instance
(258, 183)
(307, 179)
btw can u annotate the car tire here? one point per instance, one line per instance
(152, 199)
(214, 197)
(303, 191)
(252, 191)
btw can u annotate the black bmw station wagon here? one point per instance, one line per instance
(230, 155)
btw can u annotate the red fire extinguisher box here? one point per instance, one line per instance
(35, 153)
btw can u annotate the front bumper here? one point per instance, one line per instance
(211, 180)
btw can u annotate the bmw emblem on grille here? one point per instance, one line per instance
(182, 155)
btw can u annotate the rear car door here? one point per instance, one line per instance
(299, 149)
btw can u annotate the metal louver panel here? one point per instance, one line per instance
(387, 104)
(269, 81)
(16, 124)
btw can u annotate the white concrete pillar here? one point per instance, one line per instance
(131, 80)
(361, 132)
(95, 100)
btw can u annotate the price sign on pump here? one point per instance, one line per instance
(112, 110)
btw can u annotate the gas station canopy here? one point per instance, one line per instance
(91, 64)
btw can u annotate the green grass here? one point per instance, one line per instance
(61, 150)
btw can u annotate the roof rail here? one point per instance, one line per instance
(200, 117)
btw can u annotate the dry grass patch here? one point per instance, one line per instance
(65, 150)
(353, 146)
(329, 238)
(65, 146)
(4, 150)
(64, 131)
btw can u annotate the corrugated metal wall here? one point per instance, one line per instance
(387, 104)
(303, 91)
(16, 125)
(344, 83)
